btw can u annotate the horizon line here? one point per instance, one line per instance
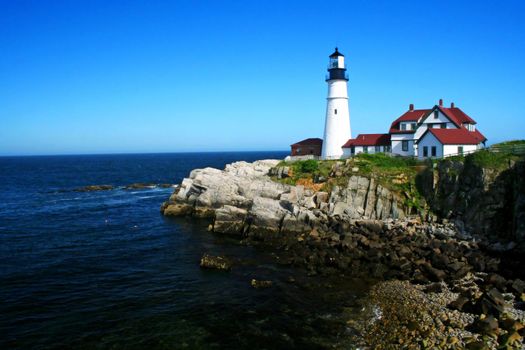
(131, 153)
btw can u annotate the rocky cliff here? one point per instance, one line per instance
(352, 229)
(242, 199)
(482, 199)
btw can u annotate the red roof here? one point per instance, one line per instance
(369, 140)
(457, 116)
(478, 135)
(409, 116)
(453, 136)
(310, 141)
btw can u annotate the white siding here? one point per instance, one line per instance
(429, 141)
(431, 120)
(360, 149)
(397, 144)
(452, 150)
(346, 153)
(408, 125)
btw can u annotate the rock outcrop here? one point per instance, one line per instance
(242, 199)
(463, 298)
(485, 201)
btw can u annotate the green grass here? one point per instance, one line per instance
(398, 174)
(487, 159)
(510, 143)
(491, 160)
(307, 169)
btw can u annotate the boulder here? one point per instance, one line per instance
(215, 262)
(177, 209)
(257, 284)
(230, 219)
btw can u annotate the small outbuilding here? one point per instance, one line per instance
(367, 143)
(307, 147)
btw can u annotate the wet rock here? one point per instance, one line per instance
(167, 185)
(518, 286)
(433, 273)
(459, 303)
(487, 325)
(215, 262)
(140, 186)
(93, 188)
(510, 339)
(495, 280)
(511, 325)
(177, 209)
(477, 345)
(491, 303)
(257, 284)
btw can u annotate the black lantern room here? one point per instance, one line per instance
(336, 66)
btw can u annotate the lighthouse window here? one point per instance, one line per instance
(335, 111)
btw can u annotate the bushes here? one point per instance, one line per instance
(308, 166)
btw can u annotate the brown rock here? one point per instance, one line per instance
(92, 188)
(260, 284)
(178, 210)
(215, 262)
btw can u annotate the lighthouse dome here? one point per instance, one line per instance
(336, 54)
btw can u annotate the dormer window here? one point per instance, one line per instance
(436, 114)
(403, 126)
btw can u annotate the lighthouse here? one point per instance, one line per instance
(337, 123)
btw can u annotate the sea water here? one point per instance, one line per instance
(104, 269)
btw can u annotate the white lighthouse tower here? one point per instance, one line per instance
(337, 125)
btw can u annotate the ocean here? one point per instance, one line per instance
(104, 269)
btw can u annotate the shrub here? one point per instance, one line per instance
(308, 166)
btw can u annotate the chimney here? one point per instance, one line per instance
(411, 107)
(452, 105)
(440, 102)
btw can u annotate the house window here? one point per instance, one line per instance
(387, 149)
(436, 114)
(443, 125)
(378, 149)
(433, 150)
(403, 126)
(460, 149)
(413, 126)
(352, 149)
(365, 149)
(335, 111)
(425, 151)
(404, 146)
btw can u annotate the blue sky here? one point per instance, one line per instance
(168, 76)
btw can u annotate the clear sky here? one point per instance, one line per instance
(167, 76)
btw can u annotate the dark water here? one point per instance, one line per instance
(106, 270)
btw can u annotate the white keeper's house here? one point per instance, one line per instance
(424, 133)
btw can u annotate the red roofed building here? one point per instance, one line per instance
(407, 131)
(307, 147)
(367, 143)
(424, 133)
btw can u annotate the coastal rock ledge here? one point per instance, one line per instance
(243, 200)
